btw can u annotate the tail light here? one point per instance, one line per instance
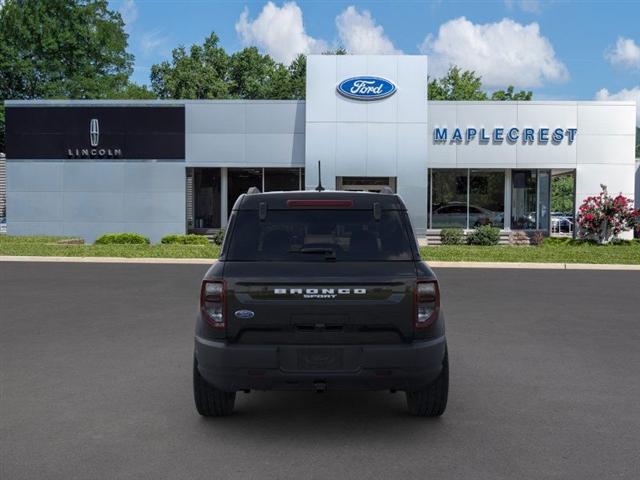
(427, 303)
(212, 303)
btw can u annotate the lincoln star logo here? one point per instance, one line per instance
(94, 141)
(320, 292)
(94, 132)
(366, 88)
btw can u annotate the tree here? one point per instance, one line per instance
(457, 85)
(256, 76)
(61, 49)
(208, 72)
(562, 193)
(603, 217)
(510, 95)
(298, 74)
(199, 74)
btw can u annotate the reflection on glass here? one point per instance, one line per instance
(449, 198)
(281, 179)
(486, 199)
(239, 180)
(544, 199)
(523, 199)
(206, 198)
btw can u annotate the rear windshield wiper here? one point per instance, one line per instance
(330, 253)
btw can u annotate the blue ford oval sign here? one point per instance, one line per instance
(366, 88)
(244, 314)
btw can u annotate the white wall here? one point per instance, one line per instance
(89, 198)
(602, 152)
(386, 137)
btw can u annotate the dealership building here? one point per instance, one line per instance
(84, 168)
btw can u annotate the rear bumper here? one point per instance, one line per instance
(232, 367)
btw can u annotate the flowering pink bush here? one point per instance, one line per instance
(604, 217)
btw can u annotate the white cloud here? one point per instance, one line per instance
(632, 94)
(360, 34)
(626, 53)
(129, 12)
(278, 31)
(528, 6)
(151, 41)
(504, 53)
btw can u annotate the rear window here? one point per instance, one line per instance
(319, 235)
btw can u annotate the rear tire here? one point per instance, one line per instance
(211, 402)
(432, 401)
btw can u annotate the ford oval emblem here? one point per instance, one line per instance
(244, 314)
(366, 88)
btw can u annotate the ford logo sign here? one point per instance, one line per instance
(366, 88)
(244, 314)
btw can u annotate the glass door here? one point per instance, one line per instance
(524, 193)
(530, 199)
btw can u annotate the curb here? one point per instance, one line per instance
(435, 264)
(170, 261)
(536, 266)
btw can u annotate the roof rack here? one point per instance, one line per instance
(386, 190)
(253, 190)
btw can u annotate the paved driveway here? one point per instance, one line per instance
(96, 364)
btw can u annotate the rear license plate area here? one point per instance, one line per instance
(320, 359)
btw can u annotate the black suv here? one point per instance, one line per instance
(320, 291)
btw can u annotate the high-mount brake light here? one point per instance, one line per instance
(212, 302)
(320, 203)
(427, 301)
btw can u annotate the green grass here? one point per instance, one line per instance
(47, 247)
(548, 253)
(583, 253)
(11, 239)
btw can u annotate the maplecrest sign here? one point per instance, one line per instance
(510, 135)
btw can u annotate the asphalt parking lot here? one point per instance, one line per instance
(96, 383)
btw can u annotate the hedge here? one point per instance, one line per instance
(190, 239)
(122, 239)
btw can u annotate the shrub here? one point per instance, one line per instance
(485, 235)
(451, 236)
(122, 239)
(603, 217)
(218, 237)
(190, 239)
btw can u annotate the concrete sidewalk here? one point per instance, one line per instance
(206, 261)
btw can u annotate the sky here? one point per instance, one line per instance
(561, 50)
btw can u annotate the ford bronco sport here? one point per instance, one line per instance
(320, 291)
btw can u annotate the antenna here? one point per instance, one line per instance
(319, 188)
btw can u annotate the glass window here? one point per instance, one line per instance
(239, 180)
(524, 188)
(281, 179)
(365, 184)
(486, 198)
(319, 235)
(544, 199)
(206, 198)
(448, 198)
